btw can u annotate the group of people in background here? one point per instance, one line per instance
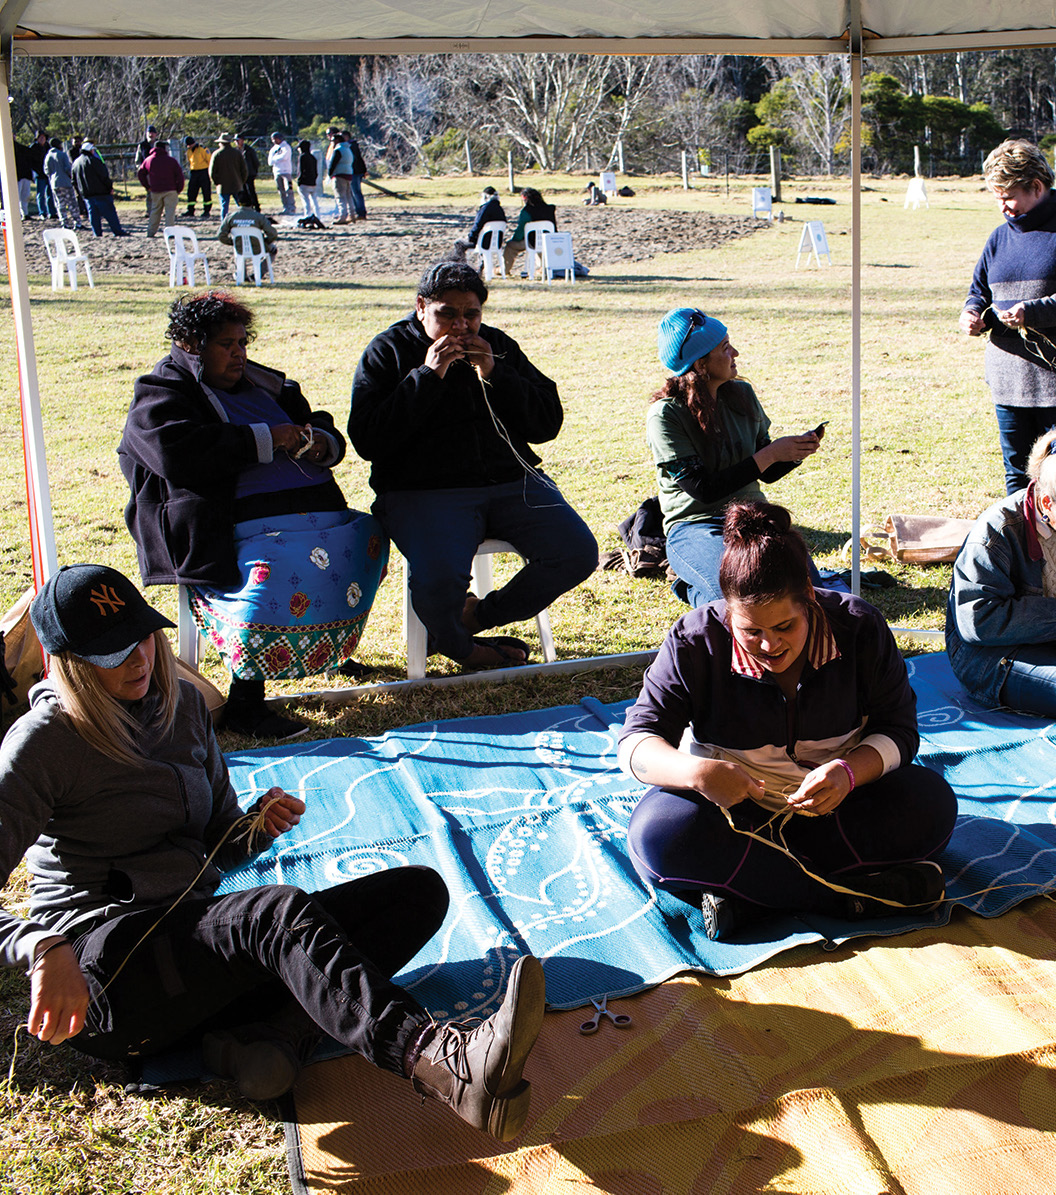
(74, 185)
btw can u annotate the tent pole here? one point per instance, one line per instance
(41, 528)
(856, 294)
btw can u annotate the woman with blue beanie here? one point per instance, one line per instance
(710, 440)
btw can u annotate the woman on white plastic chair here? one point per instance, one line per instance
(232, 495)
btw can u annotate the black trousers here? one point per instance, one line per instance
(232, 960)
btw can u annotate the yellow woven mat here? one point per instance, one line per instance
(923, 1063)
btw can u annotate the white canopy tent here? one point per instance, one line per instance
(752, 27)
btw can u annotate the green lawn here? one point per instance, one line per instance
(929, 446)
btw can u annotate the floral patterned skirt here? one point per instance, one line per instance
(308, 583)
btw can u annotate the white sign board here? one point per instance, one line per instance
(916, 194)
(813, 242)
(763, 202)
(607, 182)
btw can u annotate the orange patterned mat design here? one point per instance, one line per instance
(919, 1064)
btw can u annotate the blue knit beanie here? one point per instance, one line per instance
(684, 336)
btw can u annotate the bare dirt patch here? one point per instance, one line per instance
(400, 242)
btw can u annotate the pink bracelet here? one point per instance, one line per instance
(850, 774)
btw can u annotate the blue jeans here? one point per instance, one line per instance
(225, 202)
(356, 183)
(1030, 685)
(1017, 429)
(45, 198)
(225, 961)
(681, 843)
(694, 551)
(438, 532)
(100, 208)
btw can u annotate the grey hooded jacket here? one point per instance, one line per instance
(100, 838)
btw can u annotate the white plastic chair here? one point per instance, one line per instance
(249, 247)
(184, 254)
(65, 253)
(763, 203)
(415, 634)
(489, 249)
(188, 636)
(533, 246)
(557, 255)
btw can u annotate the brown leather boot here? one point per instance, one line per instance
(477, 1071)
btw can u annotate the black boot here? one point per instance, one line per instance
(246, 713)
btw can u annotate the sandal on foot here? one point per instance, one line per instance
(504, 646)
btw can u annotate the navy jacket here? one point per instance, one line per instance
(861, 696)
(486, 214)
(181, 459)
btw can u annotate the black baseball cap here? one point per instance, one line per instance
(93, 612)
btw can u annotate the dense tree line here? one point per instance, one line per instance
(562, 111)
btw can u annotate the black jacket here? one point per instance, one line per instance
(486, 213)
(181, 461)
(91, 176)
(421, 431)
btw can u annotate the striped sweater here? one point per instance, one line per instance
(1018, 265)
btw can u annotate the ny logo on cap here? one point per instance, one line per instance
(106, 600)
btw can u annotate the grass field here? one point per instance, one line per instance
(929, 446)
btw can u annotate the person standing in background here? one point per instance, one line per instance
(45, 200)
(280, 159)
(308, 178)
(248, 196)
(94, 183)
(163, 178)
(227, 168)
(359, 173)
(59, 170)
(198, 161)
(1013, 297)
(143, 151)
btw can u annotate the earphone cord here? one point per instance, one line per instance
(529, 470)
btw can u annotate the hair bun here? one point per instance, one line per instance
(755, 520)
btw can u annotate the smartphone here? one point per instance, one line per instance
(819, 431)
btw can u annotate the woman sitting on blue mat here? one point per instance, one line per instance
(710, 440)
(232, 495)
(777, 729)
(1001, 615)
(114, 789)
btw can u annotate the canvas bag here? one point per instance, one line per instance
(915, 539)
(24, 657)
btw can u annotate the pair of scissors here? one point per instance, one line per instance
(620, 1019)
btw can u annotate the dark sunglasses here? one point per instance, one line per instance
(697, 319)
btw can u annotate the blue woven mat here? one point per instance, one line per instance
(525, 816)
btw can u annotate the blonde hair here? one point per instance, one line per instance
(101, 720)
(1016, 163)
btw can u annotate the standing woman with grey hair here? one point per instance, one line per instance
(1001, 615)
(1013, 297)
